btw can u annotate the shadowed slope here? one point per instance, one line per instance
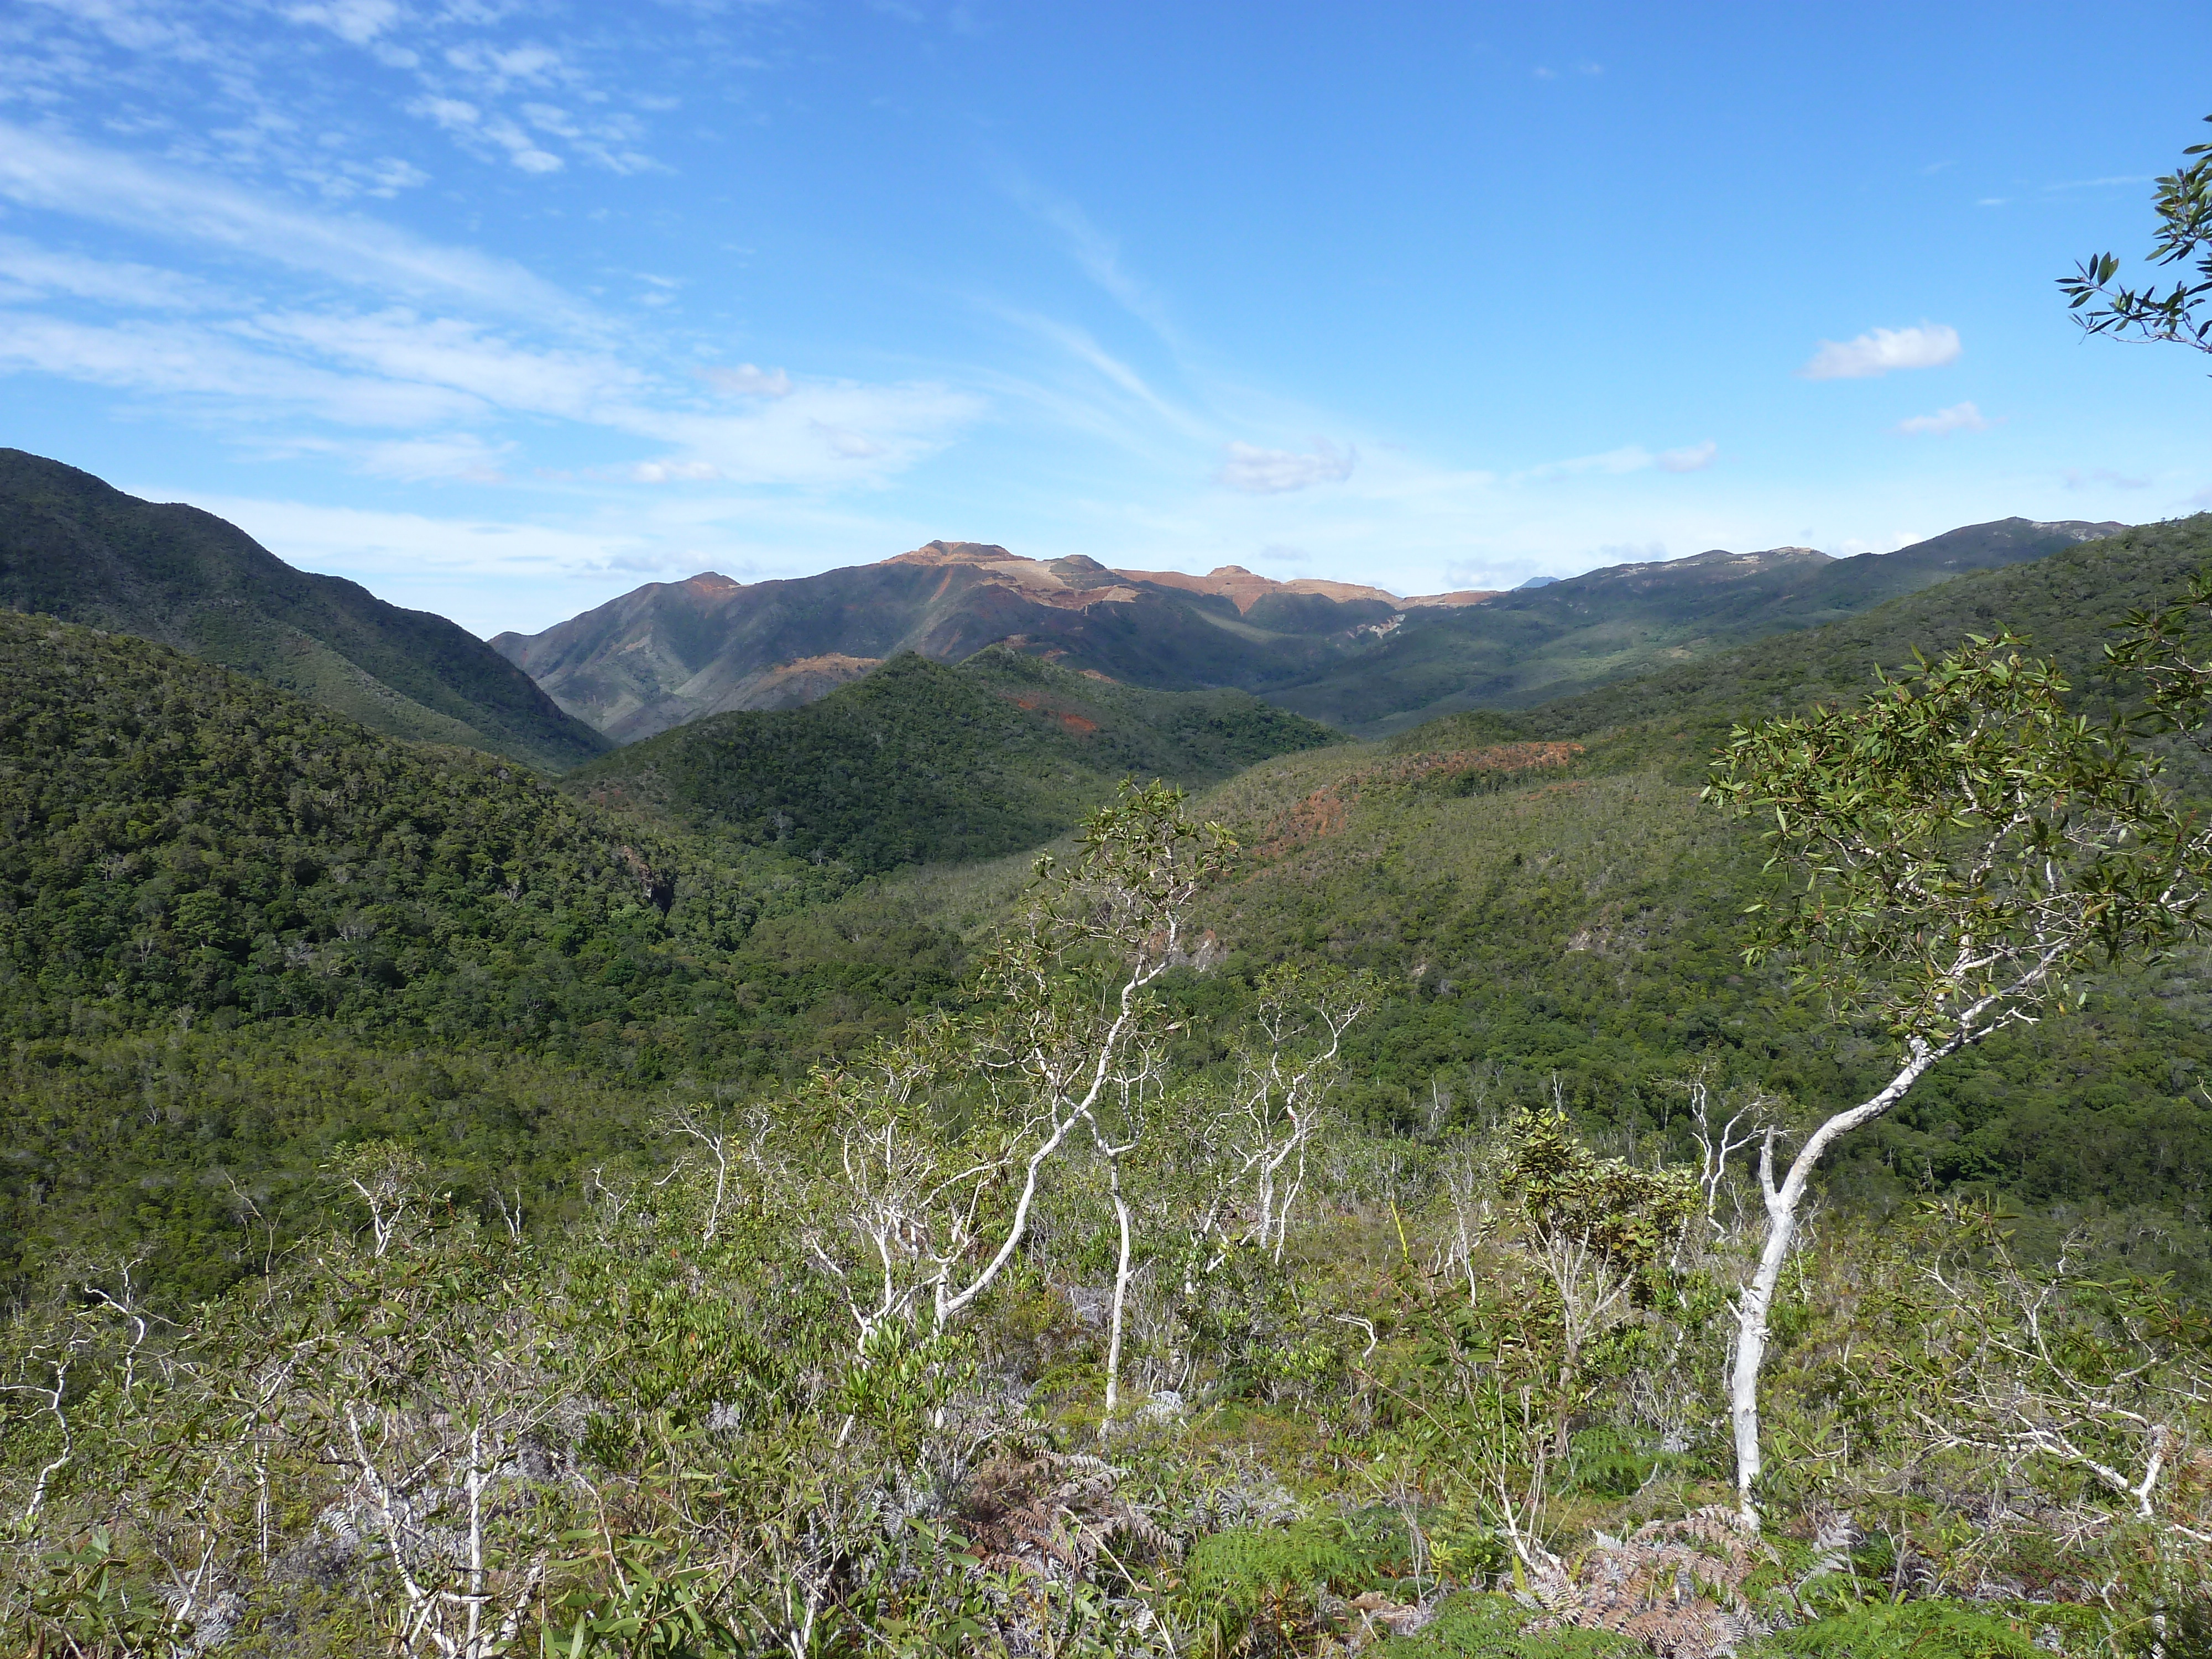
(72, 547)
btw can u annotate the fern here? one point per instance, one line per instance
(1904, 1630)
(1276, 1576)
(1471, 1626)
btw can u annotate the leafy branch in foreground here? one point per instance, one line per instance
(1966, 843)
(2184, 213)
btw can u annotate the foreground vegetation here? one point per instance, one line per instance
(1008, 1335)
(452, 1216)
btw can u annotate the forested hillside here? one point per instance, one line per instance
(216, 899)
(919, 762)
(1625, 622)
(1313, 1234)
(72, 547)
(2066, 603)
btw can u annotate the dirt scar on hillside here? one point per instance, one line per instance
(1323, 812)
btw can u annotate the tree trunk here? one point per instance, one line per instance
(1121, 1293)
(1783, 1204)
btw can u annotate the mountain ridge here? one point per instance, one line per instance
(1352, 655)
(75, 548)
(922, 761)
(1613, 624)
(670, 653)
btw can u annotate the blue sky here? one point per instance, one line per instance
(503, 307)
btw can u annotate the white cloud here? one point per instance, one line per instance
(320, 536)
(465, 121)
(821, 434)
(531, 65)
(28, 271)
(1079, 343)
(1960, 417)
(1694, 457)
(1097, 254)
(199, 364)
(1629, 458)
(401, 345)
(358, 21)
(674, 471)
(746, 380)
(61, 176)
(1259, 472)
(418, 372)
(1878, 351)
(454, 114)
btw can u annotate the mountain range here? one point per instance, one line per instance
(673, 652)
(1355, 657)
(75, 548)
(1351, 656)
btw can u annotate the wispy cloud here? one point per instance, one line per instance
(746, 380)
(1080, 343)
(1629, 458)
(1881, 350)
(2102, 478)
(358, 22)
(455, 355)
(1258, 472)
(213, 373)
(29, 272)
(1694, 457)
(63, 176)
(1960, 417)
(1095, 253)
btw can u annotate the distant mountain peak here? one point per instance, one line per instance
(670, 653)
(941, 552)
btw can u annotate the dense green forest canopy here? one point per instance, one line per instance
(919, 762)
(215, 898)
(405, 1082)
(218, 897)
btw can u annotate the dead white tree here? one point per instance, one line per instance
(388, 1178)
(2040, 1367)
(1720, 1139)
(1966, 844)
(724, 1148)
(1277, 1095)
(1064, 1038)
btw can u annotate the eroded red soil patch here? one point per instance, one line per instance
(1323, 812)
(1074, 721)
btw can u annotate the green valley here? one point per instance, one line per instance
(666, 1125)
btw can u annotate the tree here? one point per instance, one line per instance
(1966, 844)
(2098, 1376)
(1598, 1229)
(1285, 1070)
(2181, 315)
(1065, 1044)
